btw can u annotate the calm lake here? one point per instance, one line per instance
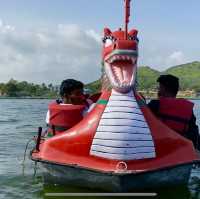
(19, 120)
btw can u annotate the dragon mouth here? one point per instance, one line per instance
(120, 70)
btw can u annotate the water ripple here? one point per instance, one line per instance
(9, 120)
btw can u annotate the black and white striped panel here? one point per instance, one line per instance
(123, 109)
(123, 122)
(123, 115)
(124, 143)
(122, 136)
(122, 104)
(116, 93)
(123, 132)
(122, 98)
(133, 156)
(127, 129)
(118, 150)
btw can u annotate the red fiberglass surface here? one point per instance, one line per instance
(73, 146)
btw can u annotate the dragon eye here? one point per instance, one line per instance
(108, 40)
(133, 38)
(130, 37)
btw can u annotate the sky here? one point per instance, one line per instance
(51, 40)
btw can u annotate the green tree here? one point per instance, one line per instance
(11, 88)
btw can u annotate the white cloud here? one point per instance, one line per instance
(49, 55)
(93, 34)
(4, 28)
(163, 51)
(176, 58)
(159, 57)
(67, 51)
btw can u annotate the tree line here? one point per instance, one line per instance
(14, 88)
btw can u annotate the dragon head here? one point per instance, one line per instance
(120, 52)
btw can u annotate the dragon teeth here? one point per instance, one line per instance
(120, 57)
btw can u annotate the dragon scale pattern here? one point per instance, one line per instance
(123, 133)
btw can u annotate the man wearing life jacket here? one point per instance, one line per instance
(175, 113)
(67, 112)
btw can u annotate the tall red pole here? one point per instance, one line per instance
(127, 15)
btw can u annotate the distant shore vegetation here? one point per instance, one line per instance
(188, 74)
(23, 89)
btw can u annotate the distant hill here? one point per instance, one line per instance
(189, 75)
(147, 78)
(94, 87)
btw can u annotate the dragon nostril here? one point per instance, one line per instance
(114, 46)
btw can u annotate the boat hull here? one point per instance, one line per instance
(115, 182)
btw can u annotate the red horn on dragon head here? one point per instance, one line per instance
(107, 32)
(133, 32)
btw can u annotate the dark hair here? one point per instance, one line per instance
(170, 82)
(68, 85)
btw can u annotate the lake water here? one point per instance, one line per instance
(19, 120)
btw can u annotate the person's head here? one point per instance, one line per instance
(168, 86)
(71, 92)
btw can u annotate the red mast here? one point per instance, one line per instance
(127, 15)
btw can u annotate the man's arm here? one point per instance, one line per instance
(193, 132)
(154, 106)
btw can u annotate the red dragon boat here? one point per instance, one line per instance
(120, 145)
